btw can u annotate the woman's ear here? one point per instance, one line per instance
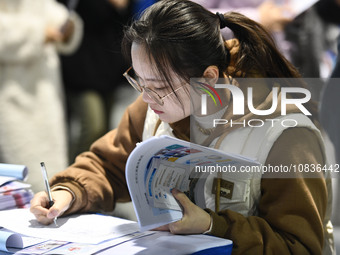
(211, 74)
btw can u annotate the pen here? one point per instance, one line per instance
(48, 189)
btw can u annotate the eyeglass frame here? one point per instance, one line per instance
(135, 84)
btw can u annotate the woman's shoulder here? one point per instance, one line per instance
(138, 105)
(298, 144)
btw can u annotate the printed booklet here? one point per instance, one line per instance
(159, 164)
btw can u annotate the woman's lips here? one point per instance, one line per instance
(156, 111)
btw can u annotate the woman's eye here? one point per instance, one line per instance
(160, 88)
(157, 86)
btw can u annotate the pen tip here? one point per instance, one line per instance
(42, 163)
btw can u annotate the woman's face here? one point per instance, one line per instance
(171, 111)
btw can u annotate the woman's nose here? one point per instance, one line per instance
(146, 98)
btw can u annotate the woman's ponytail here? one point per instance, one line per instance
(257, 51)
(258, 54)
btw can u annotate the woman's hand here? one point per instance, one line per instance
(194, 221)
(120, 4)
(63, 34)
(53, 34)
(39, 204)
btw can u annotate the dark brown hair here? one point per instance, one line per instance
(184, 36)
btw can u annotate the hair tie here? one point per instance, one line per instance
(223, 22)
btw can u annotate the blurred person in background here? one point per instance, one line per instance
(330, 111)
(32, 119)
(93, 74)
(330, 119)
(272, 16)
(306, 39)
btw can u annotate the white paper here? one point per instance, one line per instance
(148, 243)
(6, 179)
(58, 247)
(42, 248)
(85, 228)
(88, 249)
(166, 243)
(13, 185)
(10, 240)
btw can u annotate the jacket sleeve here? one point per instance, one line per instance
(97, 177)
(291, 211)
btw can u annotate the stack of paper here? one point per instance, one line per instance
(13, 193)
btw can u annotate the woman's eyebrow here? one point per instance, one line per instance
(148, 79)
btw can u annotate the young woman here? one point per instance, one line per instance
(173, 41)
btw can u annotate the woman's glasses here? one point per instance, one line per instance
(151, 93)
